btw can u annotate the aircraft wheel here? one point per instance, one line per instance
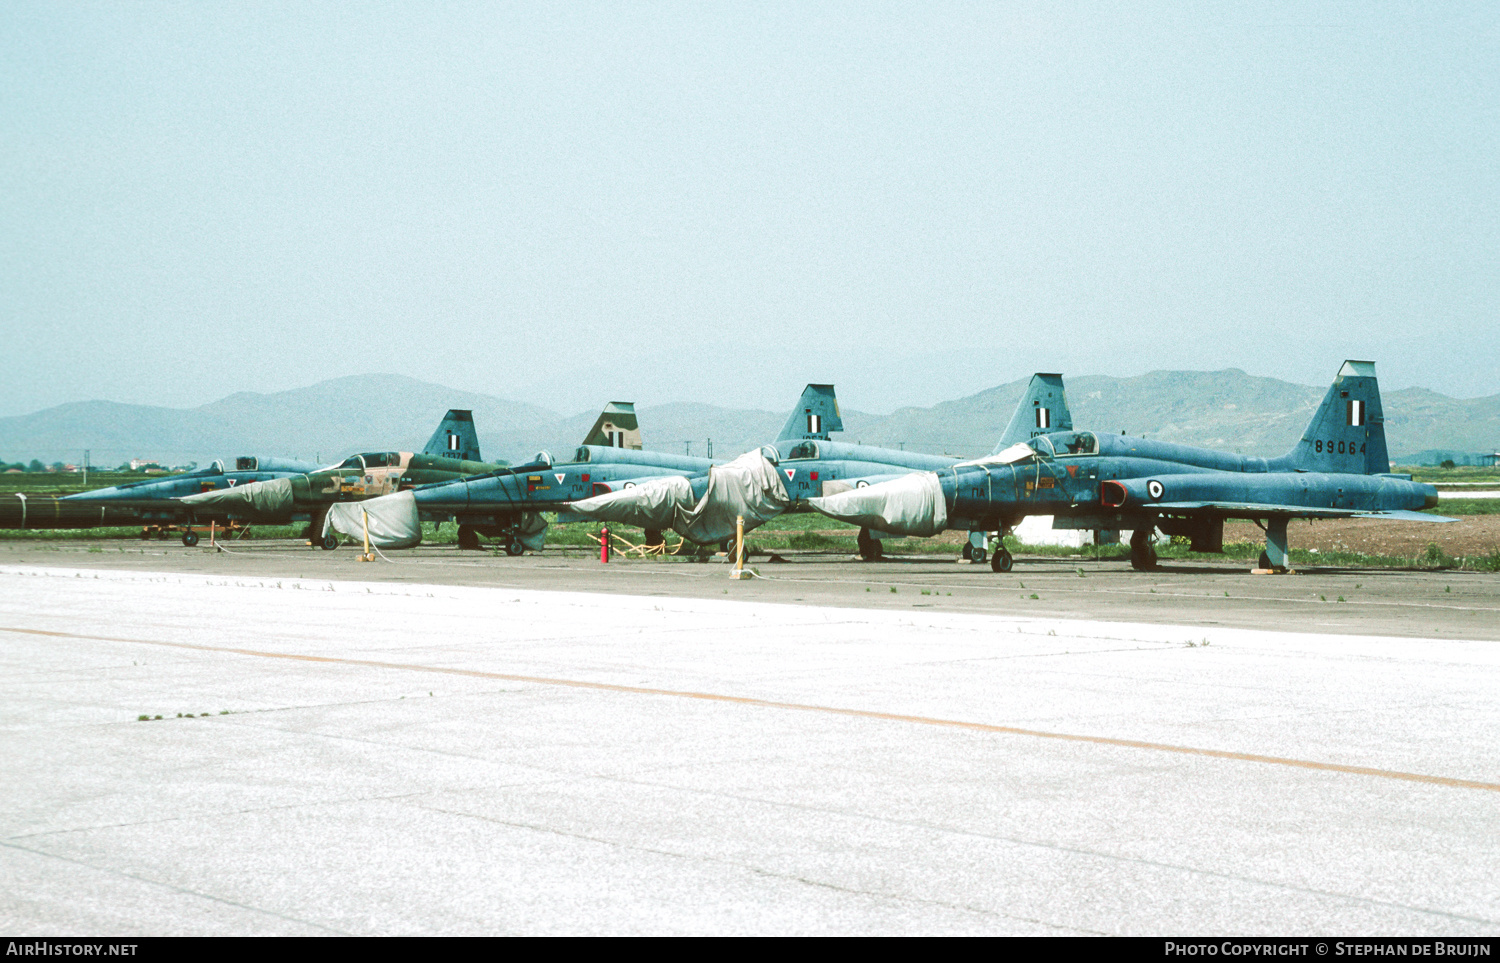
(468, 539)
(978, 556)
(514, 547)
(726, 546)
(329, 542)
(1001, 561)
(967, 552)
(869, 546)
(1142, 554)
(654, 537)
(190, 538)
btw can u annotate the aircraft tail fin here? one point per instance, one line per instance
(1043, 409)
(616, 427)
(816, 414)
(455, 437)
(1347, 433)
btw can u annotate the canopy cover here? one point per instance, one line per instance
(272, 497)
(749, 486)
(910, 505)
(394, 522)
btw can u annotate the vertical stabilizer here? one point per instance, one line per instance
(816, 414)
(1347, 434)
(1041, 410)
(455, 437)
(616, 427)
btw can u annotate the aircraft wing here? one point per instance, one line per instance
(1254, 509)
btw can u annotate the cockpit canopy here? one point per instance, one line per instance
(581, 456)
(1066, 444)
(770, 454)
(804, 449)
(373, 459)
(542, 458)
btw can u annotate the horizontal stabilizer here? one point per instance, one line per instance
(1262, 509)
(1405, 516)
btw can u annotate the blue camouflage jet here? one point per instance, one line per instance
(151, 503)
(1339, 469)
(809, 465)
(506, 504)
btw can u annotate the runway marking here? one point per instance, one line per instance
(797, 706)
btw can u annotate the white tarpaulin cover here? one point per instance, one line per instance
(394, 522)
(650, 504)
(272, 497)
(749, 486)
(910, 505)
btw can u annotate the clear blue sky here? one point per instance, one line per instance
(565, 203)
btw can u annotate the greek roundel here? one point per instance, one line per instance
(1154, 489)
(1356, 412)
(1043, 417)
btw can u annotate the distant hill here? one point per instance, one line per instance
(1228, 409)
(327, 420)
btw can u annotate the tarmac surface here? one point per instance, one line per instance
(453, 743)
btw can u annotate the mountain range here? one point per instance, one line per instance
(1228, 409)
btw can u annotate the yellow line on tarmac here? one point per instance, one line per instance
(800, 707)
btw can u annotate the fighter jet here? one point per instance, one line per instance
(1339, 469)
(507, 504)
(151, 503)
(803, 463)
(452, 452)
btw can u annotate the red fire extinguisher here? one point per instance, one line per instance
(604, 544)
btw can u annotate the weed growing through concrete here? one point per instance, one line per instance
(1033, 595)
(893, 590)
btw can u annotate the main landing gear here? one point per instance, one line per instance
(869, 546)
(1001, 561)
(1275, 560)
(1142, 552)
